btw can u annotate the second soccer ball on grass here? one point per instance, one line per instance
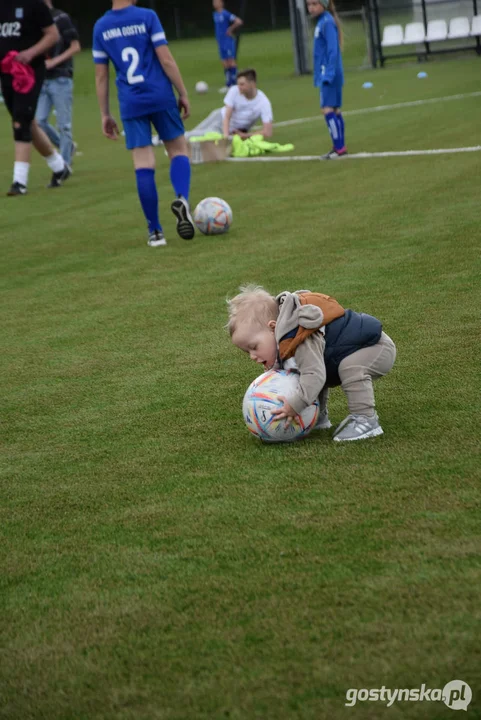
(213, 216)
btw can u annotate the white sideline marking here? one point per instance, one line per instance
(357, 156)
(381, 108)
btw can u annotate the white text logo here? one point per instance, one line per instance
(455, 694)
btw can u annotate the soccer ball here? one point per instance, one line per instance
(213, 216)
(262, 397)
(201, 87)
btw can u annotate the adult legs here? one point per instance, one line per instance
(60, 169)
(230, 71)
(331, 103)
(22, 108)
(340, 126)
(180, 176)
(330, 116)
(144, 165)
(180, 172)
(62, 95)
(227, 51)
(44, 108)
(212, 123)
(170, 128)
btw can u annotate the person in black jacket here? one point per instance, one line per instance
(28, 32)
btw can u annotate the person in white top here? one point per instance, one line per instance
(244, 105)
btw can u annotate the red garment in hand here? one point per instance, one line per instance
(23, 75)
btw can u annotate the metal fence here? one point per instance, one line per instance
(422, 28)
(184, 18)
(187, 19)
(357, 50)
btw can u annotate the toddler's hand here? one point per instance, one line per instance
(285, 411)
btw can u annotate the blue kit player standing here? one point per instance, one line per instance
(328, 72)
(133, 39)
(226, 23)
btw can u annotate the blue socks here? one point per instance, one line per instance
(340, 128)
(149, 199)
(180, 175)
(335, 124)
(333, 127)
(232, 77)
(147, 189)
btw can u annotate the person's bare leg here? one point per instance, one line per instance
(21, 168)
(55, 161)
(41, 142)
(144, 158)
(23, 152)
(144, 165)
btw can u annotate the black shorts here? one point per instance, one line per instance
(21, 105)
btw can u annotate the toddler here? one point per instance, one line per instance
(326, 344)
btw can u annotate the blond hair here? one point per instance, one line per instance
(254, 305)
(332, 9)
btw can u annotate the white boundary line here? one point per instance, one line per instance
(357, 156)
(381, 108)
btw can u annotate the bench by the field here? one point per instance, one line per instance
(424, 38)
(436, 31)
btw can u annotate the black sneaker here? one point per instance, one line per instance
(59, 178)
(156, 239)
(185, 224)
(17, 189)
(334, 154)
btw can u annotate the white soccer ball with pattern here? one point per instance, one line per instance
(262, 397)
(201, 87)
(213, 216)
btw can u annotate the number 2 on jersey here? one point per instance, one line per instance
(130, 54)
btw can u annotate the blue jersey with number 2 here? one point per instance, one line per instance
(128, 38)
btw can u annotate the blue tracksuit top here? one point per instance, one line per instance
(327, 52)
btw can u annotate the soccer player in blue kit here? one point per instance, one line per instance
(134, 40)
(328, 71)
(226, 23)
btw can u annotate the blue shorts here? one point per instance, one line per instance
(227, 48)
(331, 96)
(138, 131)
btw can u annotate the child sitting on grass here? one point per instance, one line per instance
(326, 344)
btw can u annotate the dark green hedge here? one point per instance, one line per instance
(190, 18)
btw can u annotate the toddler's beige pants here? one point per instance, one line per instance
(357, 371)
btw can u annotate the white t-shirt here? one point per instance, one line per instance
(247, 112)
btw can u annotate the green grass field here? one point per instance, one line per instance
(157, 563)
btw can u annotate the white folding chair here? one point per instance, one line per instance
(476, 26)
(458, 28)
(414, 33)
(392, 35)
(437, 30)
